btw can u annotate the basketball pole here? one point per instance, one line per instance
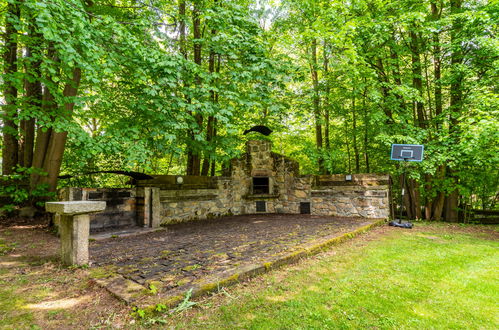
(405, 153)
(402, 190)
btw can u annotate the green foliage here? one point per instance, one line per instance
(369, 91)
(15, 189)
(153, 289)
(144, 100)
(186, 303)
(138, 313)
(160, 307)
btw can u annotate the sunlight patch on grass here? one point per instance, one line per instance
(276, 298)
(58, 304)
(10, 264)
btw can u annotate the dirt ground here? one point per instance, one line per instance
(36, 291)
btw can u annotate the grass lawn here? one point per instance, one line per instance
(435, 276)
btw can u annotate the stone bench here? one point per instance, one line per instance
(74, 228)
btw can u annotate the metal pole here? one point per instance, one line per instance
(402, 190)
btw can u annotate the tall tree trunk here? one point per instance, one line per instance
(210, 127)
(417, 78)
(316, 103)
(182, 31)
(43, 134)
(384, 82)
(42, 141)
(57, 142)
(33, 94)
(455, 106)
(434, 206)
(10, 157)
(417, 83)
(214, 162)
(366, 129)
(413, 190)
(183, 51)
(437, 67)
(327, 106)
(348, 148)
(354, 134)
(438, 203)
(407, 197)
(193, 155)
(209, 136)
(428, 207)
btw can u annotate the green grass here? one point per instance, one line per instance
(6, 247)
(404, 279)
(12, 313)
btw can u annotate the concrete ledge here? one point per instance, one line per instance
(75, 207)
(122, 288)
(131, 293)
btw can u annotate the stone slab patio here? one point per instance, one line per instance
(206, 254)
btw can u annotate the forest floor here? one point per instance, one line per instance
(435, 275)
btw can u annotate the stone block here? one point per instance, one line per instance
(300, 194)
(75, 207)
(27, 212)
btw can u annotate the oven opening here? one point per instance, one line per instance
(261, 185)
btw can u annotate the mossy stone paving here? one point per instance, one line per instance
(181, 255)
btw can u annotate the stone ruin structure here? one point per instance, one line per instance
(260, 181)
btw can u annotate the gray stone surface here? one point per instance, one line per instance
(75, 207)
(27, 212)
(195, 254)
(155, 208)
(74, 230)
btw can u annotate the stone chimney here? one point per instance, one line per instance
(260, 161)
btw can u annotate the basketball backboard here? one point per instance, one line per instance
(407, 152)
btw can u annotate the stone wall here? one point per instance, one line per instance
(169, 198)
(366, 195)
(194, 199)
(120, 205)
(197, 198)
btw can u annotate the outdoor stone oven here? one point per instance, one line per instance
(260, 181)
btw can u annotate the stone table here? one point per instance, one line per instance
(74, 228)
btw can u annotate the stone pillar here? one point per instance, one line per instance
(155, 208)
(74, 228)
(152, 207)
(74, 231)
(147, 207)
